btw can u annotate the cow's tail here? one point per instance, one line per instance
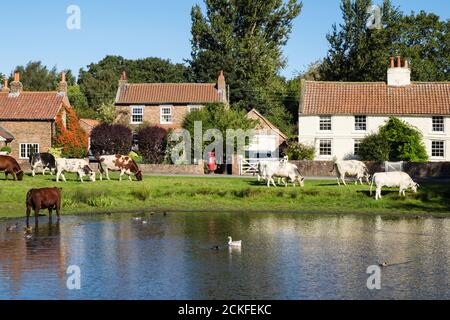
(334, 167)
(29, 197)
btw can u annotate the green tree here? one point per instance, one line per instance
(358, 53)
(217, 116)
(79, 102)
(245, 39)
(99, 82)
(107, 112)
(395, 141)
(37, 77)
(299, 151)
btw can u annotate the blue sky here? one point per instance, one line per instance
(143, 28)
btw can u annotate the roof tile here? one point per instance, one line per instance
(30, 106)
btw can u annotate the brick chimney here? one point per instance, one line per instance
(123, 79)
(222, 88)
(16, 85)
(5, 85)
(62, 88)
(398, 75)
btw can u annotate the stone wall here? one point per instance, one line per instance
(418, 170)
(185, 169)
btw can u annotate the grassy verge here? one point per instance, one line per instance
(224, 194)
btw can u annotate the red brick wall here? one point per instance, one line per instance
(152, 115)
(40, 132)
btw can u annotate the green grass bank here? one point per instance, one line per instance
(163, 193)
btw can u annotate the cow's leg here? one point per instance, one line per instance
(273, 182)
(58, 173)
(343, 179)
(36, 214)
(63, 177)
(28, 215)
(121, 174)
(107, 174)
(50, 214)
(33, 171)
(80, 174)
(338, 181)
(58, 210)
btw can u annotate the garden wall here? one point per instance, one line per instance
(184, 169)
(414, 169)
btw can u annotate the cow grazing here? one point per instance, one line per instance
(282, 170)
(351, 168)
(392, 179)
(10, 166)
(45, 160)
(45, 198)
(124, 164)
(79, 166)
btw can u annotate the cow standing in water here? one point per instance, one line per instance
(124, 164)
(45, 198)
(10, 166)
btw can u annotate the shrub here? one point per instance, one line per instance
(135, 156)
(100, 202)
(299, 151)
(56, 152)
(396, 141)
(111, 139)
(70, 137)
(5, 149)
(152, 142)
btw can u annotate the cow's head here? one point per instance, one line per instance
(19, 175)
(35, 158)
(301, 180)
(414, 186)
(89, 172)
(138, 175)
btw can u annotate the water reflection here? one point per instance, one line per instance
(282, 257)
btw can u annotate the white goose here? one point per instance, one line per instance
(232, 243)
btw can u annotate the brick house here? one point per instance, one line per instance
(335, 116)
(268, 140)
(28, 118)
(164, 104)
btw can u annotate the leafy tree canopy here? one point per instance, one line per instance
(359, 53)
(99, 81)
(37, 77)
(245, 39)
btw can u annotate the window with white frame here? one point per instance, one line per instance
(437, 149)
(166, 114)
(356, 145)
(360, 123)
(325, 123)
(137, 114)
(438, 124)
(28, 149)
(325, 147)
(194, 107)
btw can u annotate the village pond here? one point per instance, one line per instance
(283, 256)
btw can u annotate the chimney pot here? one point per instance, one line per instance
(392, 62)
(5, 85)
(16, 85)
(63, 83)
(406, 64)
(399, 62)
(63, 76)
(17, 76)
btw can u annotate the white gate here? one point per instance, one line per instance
(393, 166)
(250, 165)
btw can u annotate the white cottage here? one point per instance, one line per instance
(336, 116)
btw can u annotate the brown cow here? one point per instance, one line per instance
(124, 164)
(45, 198)
(9, 165)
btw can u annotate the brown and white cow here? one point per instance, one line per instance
(9, 165)
(124, 164)
(45, 198)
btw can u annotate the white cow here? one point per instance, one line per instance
(262, 167)
(351, 168)
(79, 166)
(282, 170)
(392, 179)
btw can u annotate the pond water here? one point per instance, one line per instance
(283, 256)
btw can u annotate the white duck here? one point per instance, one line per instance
(232, 243)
